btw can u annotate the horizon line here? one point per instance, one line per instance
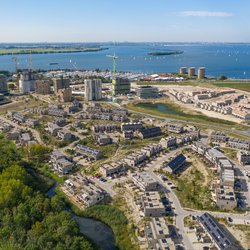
(114, 42)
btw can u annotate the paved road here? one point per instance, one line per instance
(180, 213)
(107, 186)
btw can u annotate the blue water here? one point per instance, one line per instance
(164, 108)
(232, 60)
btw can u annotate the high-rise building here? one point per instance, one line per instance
(121, 86)
(201, 73)
(191, 72)
(26, 82)
(93, 89)
(42, 87)
(60, 83)
(65, 95)
(3, 84)
(183, 71)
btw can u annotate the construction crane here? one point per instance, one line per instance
(114, 57)
(15, 60)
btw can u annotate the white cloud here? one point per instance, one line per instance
(205, 14)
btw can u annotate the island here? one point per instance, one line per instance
(166, 53)
(48, 50)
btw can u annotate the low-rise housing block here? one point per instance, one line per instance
(145, 181)
(89, 153)
(152, 205)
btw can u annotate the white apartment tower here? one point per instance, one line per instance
(93, 89)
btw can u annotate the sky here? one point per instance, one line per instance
(124, 20)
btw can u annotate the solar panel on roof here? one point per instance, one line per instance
(177, 162)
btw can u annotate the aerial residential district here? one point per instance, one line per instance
(170, 151)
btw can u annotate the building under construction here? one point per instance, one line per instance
(121, 86)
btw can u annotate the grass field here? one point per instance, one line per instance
(239, 85)
(244, 85)
(20, 105)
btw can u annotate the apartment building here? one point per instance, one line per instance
(145, 181)
(215, 231)
(60, 163)
(214, 155)
(60, 83)
(158, 235)
(56, 112)
(113, 169)
(128, 134)
(175, 164)
(64, 95)
(152, 205)
(219, 136)
(3, 84)
(135, 159)
(93, 89)
(200, 148)
(225, 197)
(168, 143)
(152, 149)
(101, 128)
(103, 139)
(53, 128)
(32, 122)
(188, 138)
(239, 144)
(16, 116)
(150, 132)
(90, 153)
(42, 87)
(131, 126)
(64, 135)
(175, 128)
(243, 157)
(85, 191)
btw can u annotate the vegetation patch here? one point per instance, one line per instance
(28, 219)
(171, 110)
(116, 220)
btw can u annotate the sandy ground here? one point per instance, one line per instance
(190, 107)
(197, 164)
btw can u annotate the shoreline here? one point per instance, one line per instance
(52, 52)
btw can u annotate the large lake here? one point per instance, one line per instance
(232, 60)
